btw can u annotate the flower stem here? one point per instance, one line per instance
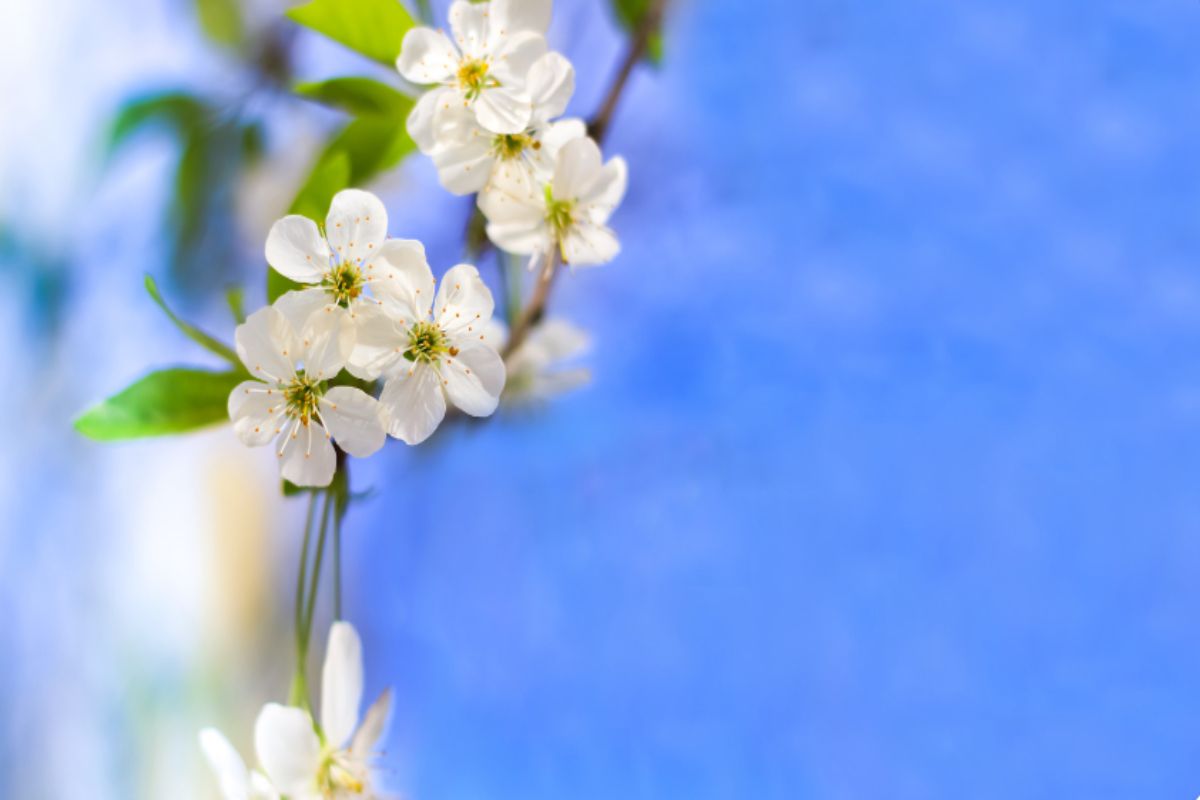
(315, 577)
(536, 308)
(299, 691)
(651, 23)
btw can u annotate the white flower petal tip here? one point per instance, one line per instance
(341, 684)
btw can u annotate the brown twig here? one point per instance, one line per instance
(532, 313)
(650, 24)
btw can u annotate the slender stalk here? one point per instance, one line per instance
(650, 24)
(315, 578)
(299, 690)
(533, 311)
(337, 561)
(425, 12)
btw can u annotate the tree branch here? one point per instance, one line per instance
(650, 24)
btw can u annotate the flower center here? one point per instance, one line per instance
(473, 77)
(345, 282)
(301, 397)
(335, 776)
(508, 146)
(426, 342)
(559, 213)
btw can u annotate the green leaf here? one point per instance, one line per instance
(235, 296)
(374, 28)
(221, 21)
(178, 110)
(189, 330)
(168, 401)
(358, 96)
(631, 14)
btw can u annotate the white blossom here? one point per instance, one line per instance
(484, 66)
(289, 402)
(352, 256)
(569, 211)
(535, 367)
(432, 348)
(300, 760)
(235, 781)
(467, 154)
(333, 764)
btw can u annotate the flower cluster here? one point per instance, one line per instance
(375, 310)
(301, 759)
(489, 124)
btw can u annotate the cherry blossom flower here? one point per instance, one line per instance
(535, 370)
(570, 211)
(332, 761)
(235, 781)
(433, 348)
(467, 154)
(290, 402)
(484, 66)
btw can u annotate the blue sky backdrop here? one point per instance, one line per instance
(885, 483)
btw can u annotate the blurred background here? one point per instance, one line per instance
(884, 482)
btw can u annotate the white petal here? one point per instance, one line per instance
(257, 411)
(356, 225)
(474, 378)
(327, 342)
(465, 166)
(401, 278)
(341, 683)
(550, 84)
(355, 420)
(308, 456)
(469, 24)
(606, 191)
(561, 132)
(232, 776)
(261, 788)
(296, 250)
(299, 306)
(422, 119)
(557, 339)
(372, 726)
(414, 403)
(288, 748)
(587, 245)
(521, 15)
(427, 56)
(503, 110)
(266, 344)
(514, 56)
(578, 167)
(463, 301)
(379, 342)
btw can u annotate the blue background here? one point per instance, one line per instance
(885, 483)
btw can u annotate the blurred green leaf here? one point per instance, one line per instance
(189, 330)
(374, 28)
(221, 21)
(179, 110)
(358, 96)
(631, 13)
(164, 402)
(235, 296)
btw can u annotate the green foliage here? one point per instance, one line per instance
(374, 28)
(235, 296)
(221, 21)
(168, 401)
(178, 111)
(358, 96)
(189, 330)
(631, 14)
